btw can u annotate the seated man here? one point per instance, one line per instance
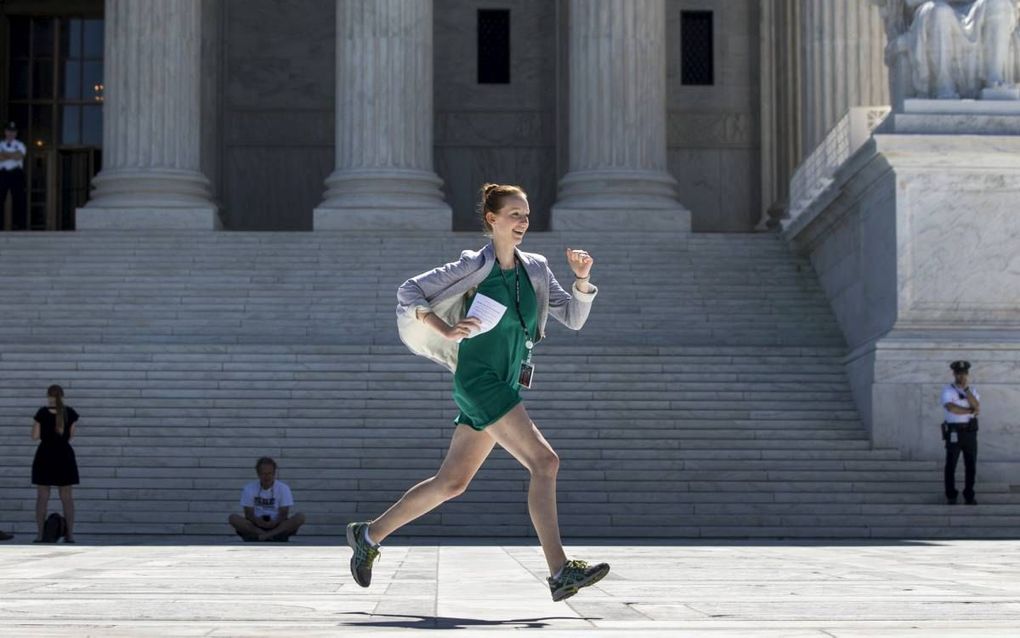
(266, 504)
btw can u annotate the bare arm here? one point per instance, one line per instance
(249, 515)
(36, 430)
(284, 512)
(572, 309)
(432, 321)
(463, 328)
(955, 409)
(974, 403)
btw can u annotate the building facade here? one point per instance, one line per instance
(676, 115)
(253, 115)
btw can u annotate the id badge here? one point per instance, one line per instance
(527, 372)
(954, 436)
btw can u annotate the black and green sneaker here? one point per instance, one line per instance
(364, 554)
(575, 575)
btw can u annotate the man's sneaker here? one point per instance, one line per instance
(364, 554)
(575, 575)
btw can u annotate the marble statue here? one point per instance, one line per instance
(952, 49)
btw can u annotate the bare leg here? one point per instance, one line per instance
(516, 433)
(286, 528)
(67, 499)
(42, 500)
(244, 526)
(468, 450)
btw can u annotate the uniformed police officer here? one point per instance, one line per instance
(12, 177)
(959, 430)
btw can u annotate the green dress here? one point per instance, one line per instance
(485, 385)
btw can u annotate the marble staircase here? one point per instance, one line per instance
(705, 398)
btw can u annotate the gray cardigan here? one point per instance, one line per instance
(444, 291)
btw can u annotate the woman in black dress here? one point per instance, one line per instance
(54, 463)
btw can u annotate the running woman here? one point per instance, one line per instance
(489, 370)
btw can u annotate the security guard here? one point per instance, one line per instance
(12, 177)
(959, 430)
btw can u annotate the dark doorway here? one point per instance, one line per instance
(53, 88)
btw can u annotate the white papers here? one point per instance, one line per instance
(488, 311)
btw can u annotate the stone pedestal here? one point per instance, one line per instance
(915, 245)
(384, 177)
(151, 175)
(1001, 93)
(617, 168)
(900, 378)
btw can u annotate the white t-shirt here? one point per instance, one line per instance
(267, 502)
(951, 394)
(12, 147)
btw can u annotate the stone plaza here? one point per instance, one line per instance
(761, 589)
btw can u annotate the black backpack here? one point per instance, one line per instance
(54, 528)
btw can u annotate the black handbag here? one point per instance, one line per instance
(54, 528)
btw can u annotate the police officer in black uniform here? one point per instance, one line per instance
(962, 405)
(12, 177)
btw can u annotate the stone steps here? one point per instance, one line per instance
(258, 288)
(706, 397)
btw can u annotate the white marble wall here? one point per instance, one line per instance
(713, 139)
(915, 246)
(277, 113)
(909, 376)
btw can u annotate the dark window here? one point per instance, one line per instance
(493, 46)
(93, 45)
(92, 125)
(42, 38)
(696, 60)
(19, 31)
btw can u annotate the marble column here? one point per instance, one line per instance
(617, 130)
(780, 105)
(152, 125)
(384, 177)
(843, 63)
